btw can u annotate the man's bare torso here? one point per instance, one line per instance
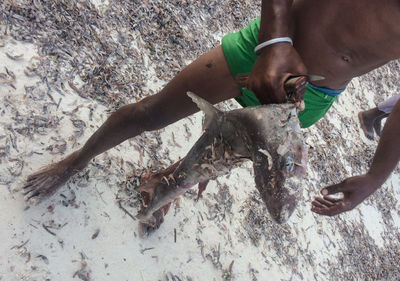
(342, 39)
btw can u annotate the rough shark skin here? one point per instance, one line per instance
(269, 135)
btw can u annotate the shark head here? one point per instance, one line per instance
(279, 164)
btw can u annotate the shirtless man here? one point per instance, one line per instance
(338, 39)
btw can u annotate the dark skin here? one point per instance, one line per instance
(338, 39)
(356, 189)
(370, 120)
(276, 62)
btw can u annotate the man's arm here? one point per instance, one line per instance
(356, 189)
(275, 19)
(278, 61)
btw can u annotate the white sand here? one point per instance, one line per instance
(29, 252)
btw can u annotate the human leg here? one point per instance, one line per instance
(371, 119)
(386, 107)
(378, 123)
(367, 120)
(209, 77)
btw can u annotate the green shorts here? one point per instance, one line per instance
(239, 52)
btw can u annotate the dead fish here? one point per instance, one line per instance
(269, 135)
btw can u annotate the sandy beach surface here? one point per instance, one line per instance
(66, 65)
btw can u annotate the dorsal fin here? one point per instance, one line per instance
(211, 113)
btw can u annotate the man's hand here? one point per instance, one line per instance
(273, 67)
(354, 189)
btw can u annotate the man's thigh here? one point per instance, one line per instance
(208, 77)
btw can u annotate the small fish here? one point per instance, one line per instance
(269, 135)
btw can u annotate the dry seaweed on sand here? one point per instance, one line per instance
(80, 40)
(84, 272)
(111, 55)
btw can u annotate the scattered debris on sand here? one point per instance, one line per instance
(65, 65)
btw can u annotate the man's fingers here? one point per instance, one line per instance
(241, 79)
(331, 199)
(329, 211)
(316, 204)
(330, 206)
(28, 197)
(323, 202)
(333, 189)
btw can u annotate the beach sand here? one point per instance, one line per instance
(57, 88)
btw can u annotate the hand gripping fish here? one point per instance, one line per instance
(269, 135)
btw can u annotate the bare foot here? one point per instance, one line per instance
(377, 127)
(366, 126)
(378, 123)
(45, 182)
